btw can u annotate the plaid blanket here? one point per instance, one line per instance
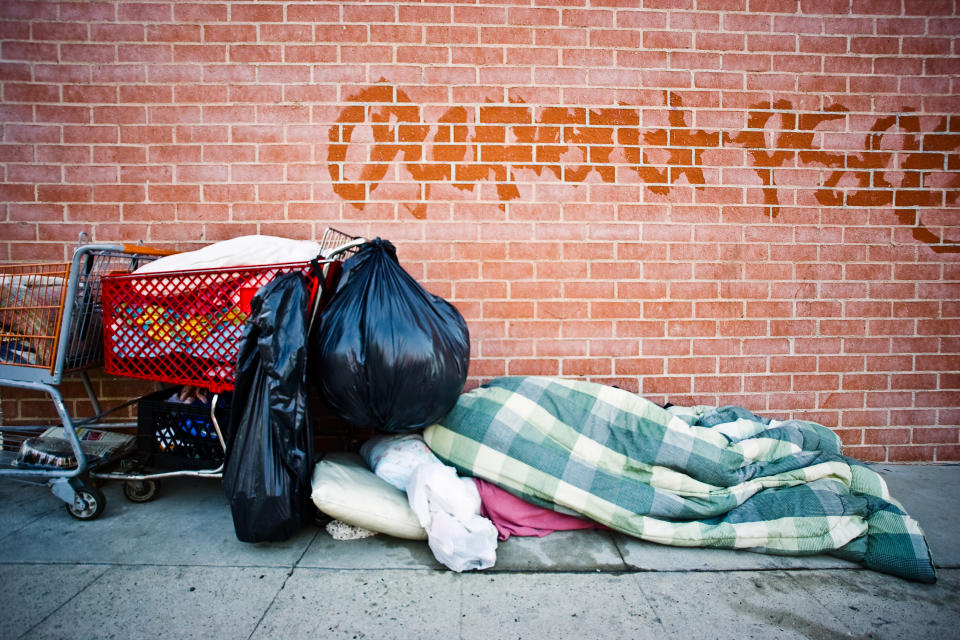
(712, 478)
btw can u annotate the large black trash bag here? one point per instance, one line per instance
(388, 355)
(266, 474)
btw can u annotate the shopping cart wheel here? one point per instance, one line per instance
(141, 490)
(88, 503)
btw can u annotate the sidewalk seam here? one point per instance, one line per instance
(823, 604)
(283, 585)
(652, 604)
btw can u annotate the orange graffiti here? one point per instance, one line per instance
(898, 177)
(683, 145)
(900, 165)
(792, 142)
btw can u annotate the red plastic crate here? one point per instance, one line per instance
(185, 327)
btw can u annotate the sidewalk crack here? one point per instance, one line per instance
(27, 633)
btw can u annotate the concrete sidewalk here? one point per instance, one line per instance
(173, 568)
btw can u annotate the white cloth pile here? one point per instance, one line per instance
(403, 490)
(447, 506)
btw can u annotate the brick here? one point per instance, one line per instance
(119, 193)
(910, 453)
(427, 14)
(692, 365)
(397, 33)
(585, 367)
(199, 12)
(30, 51)
(229, 33)
(948, 453)
(28, 11)
(946, 399)
(936, 435)
(366, 53)
(90, 174)
(886, 436)
(718, 384)
(255, 53)
(173, 193)
(63, 193)
(424, 55)
(32, 133)
(533, 366)
(866, 418)
(533, 17)
(17, 192)
(619, 348)
(147, 173)
(256, 13)
(666, 385)
(873, 453)
(22, 72)
(312, 13)
(144, 53)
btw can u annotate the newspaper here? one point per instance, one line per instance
(51, 449)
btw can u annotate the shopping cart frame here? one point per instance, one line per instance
(70, 353)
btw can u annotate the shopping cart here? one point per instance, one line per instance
(184, 328)
(50, 326)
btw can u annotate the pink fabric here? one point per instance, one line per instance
(513, 516)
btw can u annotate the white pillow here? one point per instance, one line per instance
(345, 489)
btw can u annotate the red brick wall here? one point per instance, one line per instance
(710, 201)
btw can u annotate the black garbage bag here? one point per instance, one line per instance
(388, 355)
(267, 468)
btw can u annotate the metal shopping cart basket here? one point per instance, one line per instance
(184, 328)
(50, 326)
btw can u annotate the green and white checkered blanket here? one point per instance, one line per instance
(714, 478)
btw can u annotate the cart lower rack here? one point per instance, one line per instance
(50, 326)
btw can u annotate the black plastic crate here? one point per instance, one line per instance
(177, 435)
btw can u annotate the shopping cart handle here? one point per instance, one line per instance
(147, 251)
(336, 251)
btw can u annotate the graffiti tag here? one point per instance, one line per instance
(896, 165)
